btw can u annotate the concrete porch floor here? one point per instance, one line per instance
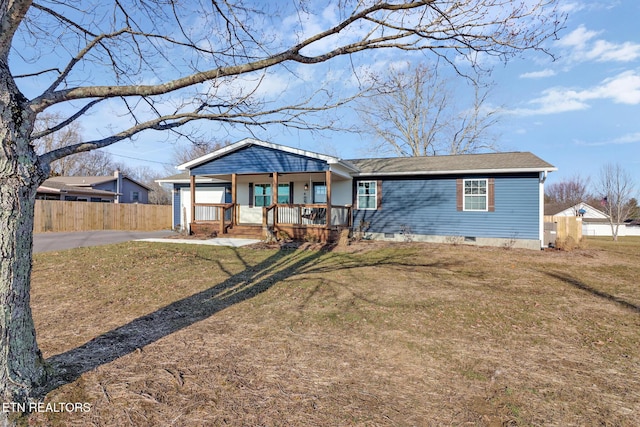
(216, 241)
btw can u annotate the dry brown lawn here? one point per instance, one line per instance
(377, 335)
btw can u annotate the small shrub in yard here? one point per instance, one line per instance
(568, 244)
(509, 244)
(407, 233)
(454, 240)
(283, 235)
(311, 238)
(360, 232)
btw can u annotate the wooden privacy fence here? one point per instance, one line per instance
(567, 226)
(54, 215)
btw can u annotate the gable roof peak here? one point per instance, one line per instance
(247, 142)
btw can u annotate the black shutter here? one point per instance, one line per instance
(291, 193)
(491, 195)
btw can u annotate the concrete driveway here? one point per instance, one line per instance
(46, 242)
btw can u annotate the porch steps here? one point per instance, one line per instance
(212, 228)
(245, 231)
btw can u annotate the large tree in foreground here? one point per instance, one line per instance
(160, 65)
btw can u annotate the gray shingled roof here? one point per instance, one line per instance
(184, 177)
(177, 177)
(492, 162)
(90, 181)
(54, 186)
(83, 181)
(556, 208)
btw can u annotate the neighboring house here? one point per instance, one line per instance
(594, 221)
(583, 210)
(249, 186)
(117, 188)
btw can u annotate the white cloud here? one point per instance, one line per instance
(630, 138)
(552, 101)
(577, 38)
(583, 45)
(538, 74)
(621, 89)
(572, 7)
(604, 51)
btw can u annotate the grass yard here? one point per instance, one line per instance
(377, 335)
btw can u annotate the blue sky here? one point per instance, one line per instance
(577, 112)
(582, 110)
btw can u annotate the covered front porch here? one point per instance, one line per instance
(300, 205)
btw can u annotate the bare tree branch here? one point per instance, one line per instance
(415, 114)
(571, 191)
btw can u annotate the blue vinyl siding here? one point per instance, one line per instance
(428, 206)
(125, 192)
(106, 186)
(256, 159)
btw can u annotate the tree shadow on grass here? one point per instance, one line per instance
(253, 280)
(147, 329)
(583, 286)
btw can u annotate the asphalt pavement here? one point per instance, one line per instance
(46, 242)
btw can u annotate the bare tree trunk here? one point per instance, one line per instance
(21, 364)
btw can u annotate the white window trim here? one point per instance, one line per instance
(283, 185)
(314, 194)
(375, 196)
(266, 185)
(486, 195)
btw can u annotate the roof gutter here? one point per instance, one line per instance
(457, 172)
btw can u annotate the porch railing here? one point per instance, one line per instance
(310, 214)
(286, 214)
(341, 215)
(269, 215)
(222, 212)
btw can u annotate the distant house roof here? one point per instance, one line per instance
(90, 181)
(52, 186)
(589, 213)
(556, 208)
(466, 163)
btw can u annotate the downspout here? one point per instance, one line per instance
(543, 178)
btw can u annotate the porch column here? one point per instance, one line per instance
(274, 197)
(328, 181)
(234, 195)
(192, 187)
